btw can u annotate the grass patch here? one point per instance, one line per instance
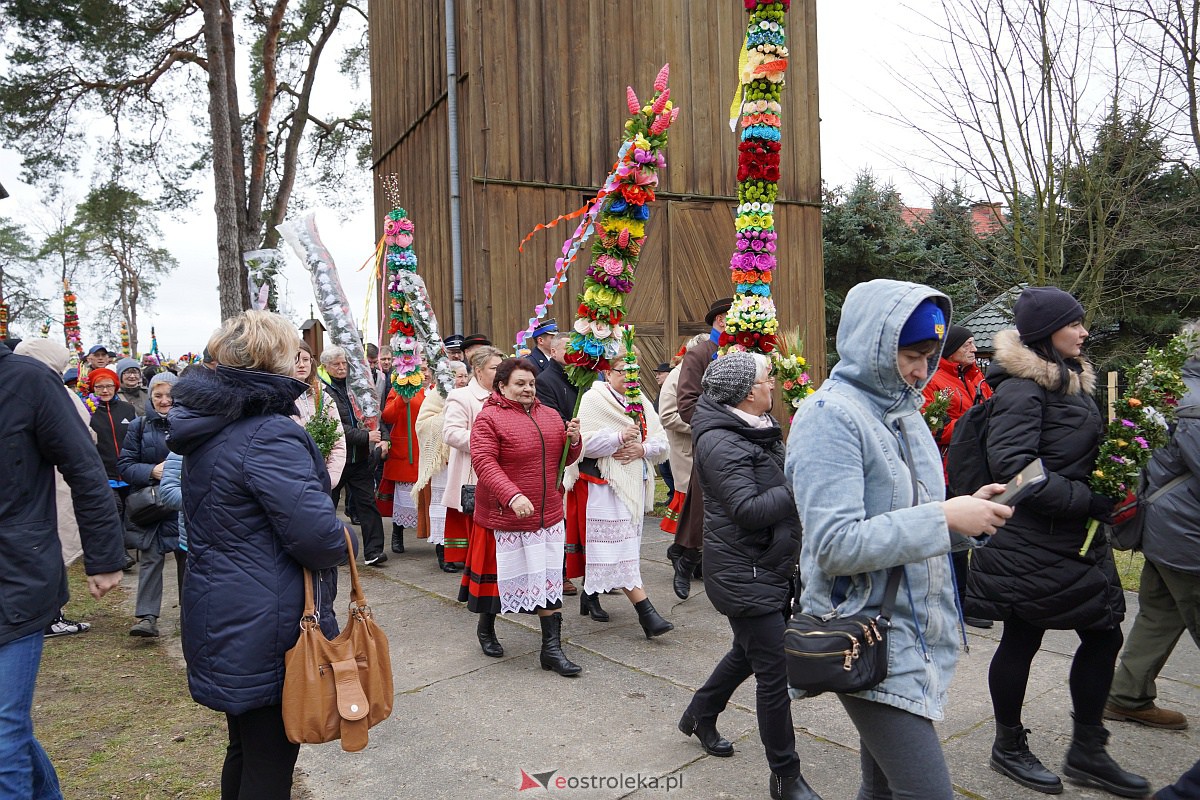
(1129, 567)
(661, 497)
(114, 714)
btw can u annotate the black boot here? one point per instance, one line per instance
(652, 622)
(1089, 763)
(791, 787)
(711, 741)
(440, 549)
(552, 655)
(685, 566)
(675, 551)
(486, 631)
(1011, 757)
(397, 538)
(589, 605)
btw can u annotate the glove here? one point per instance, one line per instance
(1125, 510)
(1101, 507)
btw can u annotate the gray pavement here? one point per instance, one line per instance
(465, 726)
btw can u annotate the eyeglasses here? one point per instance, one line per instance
(105, 387)
(769, 381)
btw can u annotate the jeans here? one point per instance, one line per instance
(259, 759)
(757, 650)
(25, 770)
(901, 755)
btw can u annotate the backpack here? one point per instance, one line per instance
(1127, 535)
(966, 456)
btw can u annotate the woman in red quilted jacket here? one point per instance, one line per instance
(516, 444)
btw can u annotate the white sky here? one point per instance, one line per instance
(858, 61)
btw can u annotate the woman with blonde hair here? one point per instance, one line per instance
(256, 499)
(462, 406)
(611, 489)
(435, 456)
(314, 404)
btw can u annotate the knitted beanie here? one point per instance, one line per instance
(730, 379)
(926, 322)
(956, 337)
(126, 364)
(1041, 310)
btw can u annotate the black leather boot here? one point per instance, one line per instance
(589, 605)
(791, 787)
(552, 656)
(485, 629)
(652, 622)
(1011, 757)
(685, 566)
(397, 538)
(711, 741)
(1089, 763)
(441, 557)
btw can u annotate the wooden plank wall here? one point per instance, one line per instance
(541, 110)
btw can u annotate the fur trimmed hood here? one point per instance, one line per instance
(207, 401)
(1019, 361)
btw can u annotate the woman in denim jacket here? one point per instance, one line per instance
(851, 476)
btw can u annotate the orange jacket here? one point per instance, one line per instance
(964, 383)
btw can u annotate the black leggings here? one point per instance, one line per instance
(259, 759)
(1091, 670)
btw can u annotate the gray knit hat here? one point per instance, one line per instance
(730, 379)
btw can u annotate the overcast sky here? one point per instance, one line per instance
(858, 63)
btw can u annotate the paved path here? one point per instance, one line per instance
(465, 726)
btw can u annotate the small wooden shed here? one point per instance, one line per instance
(540, 112)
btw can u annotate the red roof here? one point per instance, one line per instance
(986, 218)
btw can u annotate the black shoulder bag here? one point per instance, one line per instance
(844, 654)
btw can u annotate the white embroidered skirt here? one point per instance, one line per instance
(404, 508)
(437, 511)
(529, 568)
(614, 543)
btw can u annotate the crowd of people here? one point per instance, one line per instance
(530, 488)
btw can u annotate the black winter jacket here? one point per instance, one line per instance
(1031, 569)
(358, 444)
(553, 388)
(751, 528)
(39, 430)
(111, 423)
(257, 509)
(144, 448)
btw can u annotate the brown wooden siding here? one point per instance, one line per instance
(541, 107)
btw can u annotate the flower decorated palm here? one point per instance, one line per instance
(621, 232)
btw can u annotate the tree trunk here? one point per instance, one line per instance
(231, 272)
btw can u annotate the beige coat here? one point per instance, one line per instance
(462, 406)
(679, 433)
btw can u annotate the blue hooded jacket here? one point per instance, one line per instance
(854, 493)
(257, 508)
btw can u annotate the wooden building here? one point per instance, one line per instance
(540, 115)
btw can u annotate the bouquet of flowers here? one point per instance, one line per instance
(323, 428)
(622, 222)
(935, 414)
(1141, 424)
(789, 369)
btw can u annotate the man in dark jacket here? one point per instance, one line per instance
(751, 548)
(689, 535)
(357, 476)
(41, 430)
(552, 386)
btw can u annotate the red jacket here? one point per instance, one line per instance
(964, 383)
(514, 451)
(401, 413)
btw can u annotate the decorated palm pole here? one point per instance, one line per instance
(751, 323)
(46, 328)
(71, 324)
(3, 319)
(125, 351)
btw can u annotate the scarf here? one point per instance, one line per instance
(599, 410)
(435, 453)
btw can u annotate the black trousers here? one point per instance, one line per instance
(259, 758)
(359, 479)
(757, 650)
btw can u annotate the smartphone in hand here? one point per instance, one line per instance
(1022, 484)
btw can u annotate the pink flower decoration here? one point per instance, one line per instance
(404, 239)
(660, 82)
(632, 101)
(756, 244)
(406, 224)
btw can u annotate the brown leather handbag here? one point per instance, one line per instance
(337, 689)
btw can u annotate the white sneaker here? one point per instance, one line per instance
(66, 627)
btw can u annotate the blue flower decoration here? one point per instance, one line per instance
(618, 204)
(641, 213)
